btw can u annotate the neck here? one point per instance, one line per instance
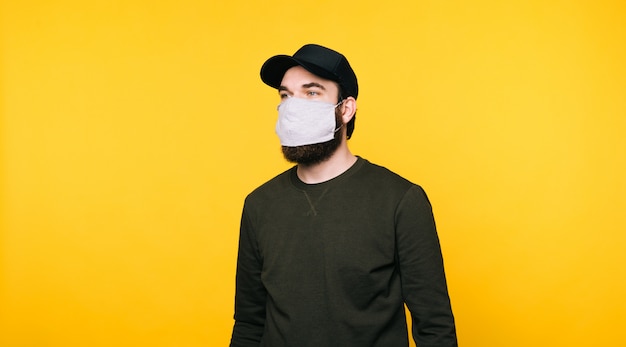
(337, 164)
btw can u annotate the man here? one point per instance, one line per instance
(332, 249)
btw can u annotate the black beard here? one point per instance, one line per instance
(312, 154)
(318, 152)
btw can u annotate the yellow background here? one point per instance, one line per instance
(131, 132)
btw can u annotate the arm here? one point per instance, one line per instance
(250, 295)
(420, 261)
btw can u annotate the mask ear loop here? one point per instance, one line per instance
(341, 126)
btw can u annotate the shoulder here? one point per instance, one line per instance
(381, 175)
(407, 195)
(378, 183)
(272, 188)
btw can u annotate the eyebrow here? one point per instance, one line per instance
(283, 88)
(306, 85)
(313, 84)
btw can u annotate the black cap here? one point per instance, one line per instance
(318, 60)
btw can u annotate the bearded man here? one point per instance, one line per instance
(331, 250)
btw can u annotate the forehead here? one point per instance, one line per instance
(297, 76)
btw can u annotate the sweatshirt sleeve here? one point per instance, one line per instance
(420, 262)
(250, 294)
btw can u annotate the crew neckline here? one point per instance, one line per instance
(299, 184)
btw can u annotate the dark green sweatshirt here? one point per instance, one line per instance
(332, 264)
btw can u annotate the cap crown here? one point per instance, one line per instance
(318, 60)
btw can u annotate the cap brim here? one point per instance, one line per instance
(274, 69)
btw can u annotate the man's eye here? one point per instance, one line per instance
(284, 96)
(312, 93)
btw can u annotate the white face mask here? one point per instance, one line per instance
(305, 122)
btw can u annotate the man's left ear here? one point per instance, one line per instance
(348, 109)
